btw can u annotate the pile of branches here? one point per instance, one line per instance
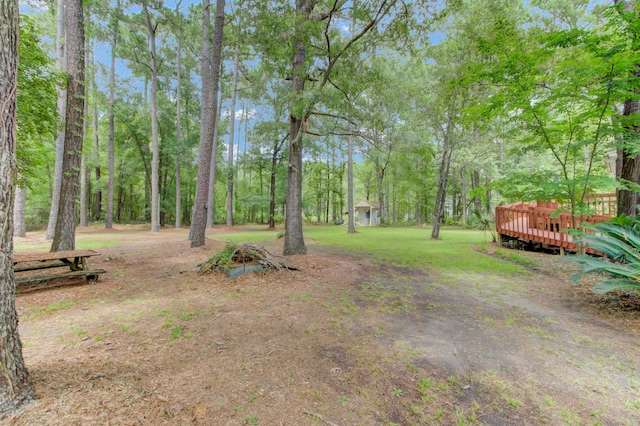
(241, 253)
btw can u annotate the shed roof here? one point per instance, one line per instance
(368, 204)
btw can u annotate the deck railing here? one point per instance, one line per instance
(548, 222)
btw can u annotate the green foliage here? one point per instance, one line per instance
(485, 221)
(36, 115)
(619, 241)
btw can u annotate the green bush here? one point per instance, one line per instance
(619, 241)
(485, 222)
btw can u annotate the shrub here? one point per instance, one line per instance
(484, 221)
(619, 241)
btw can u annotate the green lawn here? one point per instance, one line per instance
(402, 246)
(414, 247)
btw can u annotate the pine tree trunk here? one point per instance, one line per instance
(65, 233)
(112, 137)
(294, 238)
(272, 187)
(16, 390)
(61, 106)
(178, 124)
(210, 78)
(155, 142)
(381, 196)
(351, 226)
(232, 128)
(463, 195)
(211, 198)
(19, 212)
(96, 143)
(83, 163)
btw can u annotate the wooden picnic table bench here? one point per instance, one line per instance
(75, 262)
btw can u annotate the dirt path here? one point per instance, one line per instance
(339, 341)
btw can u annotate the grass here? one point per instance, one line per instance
(255, 236)
(413, 247)
(429, 397)
(405, 246)
(83, 242)
(54, 306)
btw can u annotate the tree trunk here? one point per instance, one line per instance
(211, 198)
(475, 184)
(112, 130)
(463, 195)
(294, 238)
(155, 143)
(487, 204)
(628, 166)
(19, 213)
(381, 197)
(16, 390)
(61, 106)
(351, 226)
(96, 149)
(443, 177)
(210, 79)
(232, 128)
(65, 232)
(272, 188)
(178, 124)
(83, 165)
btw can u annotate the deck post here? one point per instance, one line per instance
(562, 253)
(499, 240)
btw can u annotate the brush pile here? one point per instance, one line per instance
(241, 253)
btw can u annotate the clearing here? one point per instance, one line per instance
(468, 338)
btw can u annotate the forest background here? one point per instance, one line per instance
(447, 108)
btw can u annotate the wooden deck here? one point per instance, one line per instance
(547, 223)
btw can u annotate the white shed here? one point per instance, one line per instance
(367, 213)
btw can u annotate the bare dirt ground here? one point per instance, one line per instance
(339, 342)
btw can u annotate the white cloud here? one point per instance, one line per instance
(240, 114)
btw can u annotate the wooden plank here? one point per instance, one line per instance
(39, 266)
(56, 255)
(54, 281)
(75, 274)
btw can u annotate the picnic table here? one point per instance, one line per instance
(70, 264)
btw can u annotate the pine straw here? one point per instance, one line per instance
(242, 253)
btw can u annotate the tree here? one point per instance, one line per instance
(36, 116)
(211, 59)
(628, 161)
(65, 232)
(155, 142)
(16, 389)
(232, 125)
(62, 102)
(305, 17)
(178, 116)
(112, 89)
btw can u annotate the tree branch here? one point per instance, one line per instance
(382, 12)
